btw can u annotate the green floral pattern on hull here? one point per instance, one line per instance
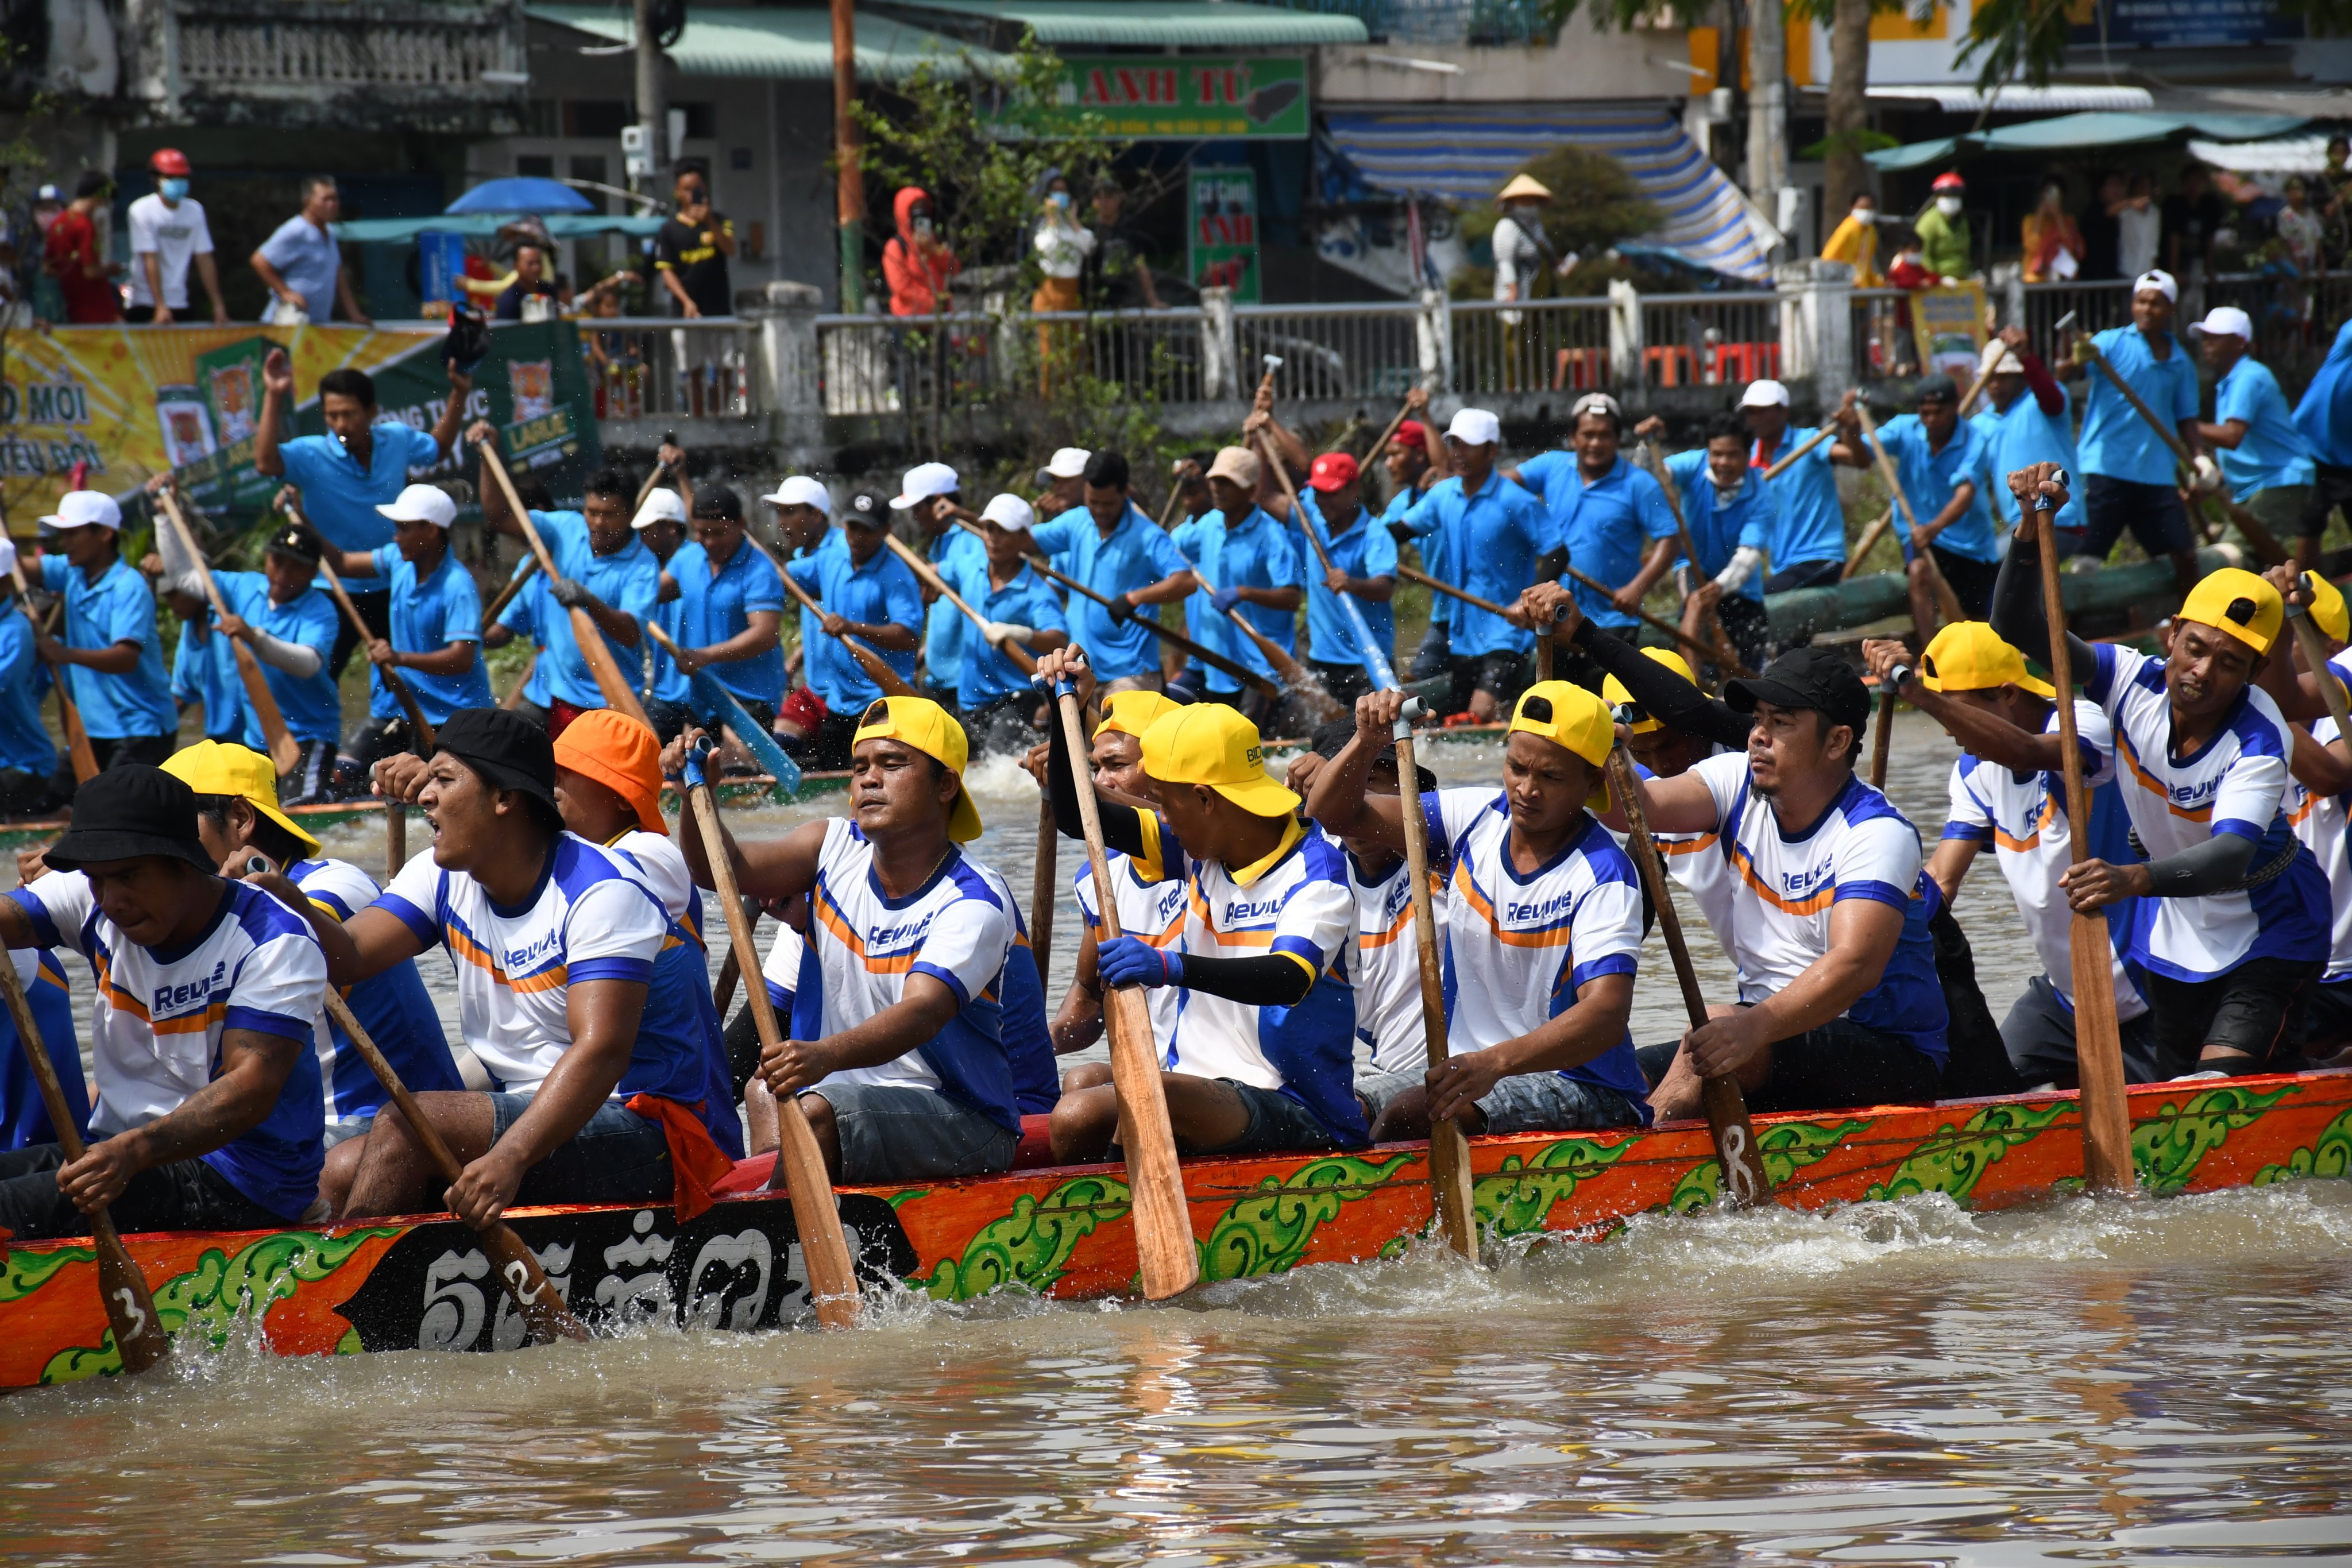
(1266, 1231)
(1519, 1198)
(1953, 1164)
(1030, 1246)
(2330, 1154)
(220, 1290)
(1788, 1147)
(2166, 1151)
(22, 1273)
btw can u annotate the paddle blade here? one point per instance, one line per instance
(544, 1312)
(1170, 1261)
(755, 737)
(816, 1214)
(2099, 1060)
(1744, 1181)
(1449, 1187)
(139, 1335)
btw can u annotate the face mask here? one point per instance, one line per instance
(1948, 206)
(1865, 214)
(174, 189)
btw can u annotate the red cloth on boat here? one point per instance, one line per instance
(697, 1164)
(752, 1176)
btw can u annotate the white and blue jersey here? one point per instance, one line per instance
(1150, 911)
(1388, 1022)
(1487, 543)
(1138, 553)
(429, 614)
(1296, 903)
(1362, 551)
(2116, 443)
(1718, 529)
(2235, 783)
(1929, 476)
(1028, 1038)
(1519, 947)
(1861, 848)
(1606, 526)
(2273, 453)
(2021, 435)
(2319, 821)
(156, 1026)
(1808, 519)
(394, 1008)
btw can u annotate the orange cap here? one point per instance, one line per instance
(620, 754)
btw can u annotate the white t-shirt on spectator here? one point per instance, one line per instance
(174, 235)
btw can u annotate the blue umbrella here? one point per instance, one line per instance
(522, 194)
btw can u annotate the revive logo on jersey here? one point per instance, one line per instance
(1239, 912)
(170, 1001)
(1545, 911)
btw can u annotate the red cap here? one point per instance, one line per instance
(168, 161)
(1950, 181)
(1332, 471)
(1411, 433)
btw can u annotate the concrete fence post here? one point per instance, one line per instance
(1219, 378)
(1433, 340)
(789, 365)
(1624, 333)
(1817, 325)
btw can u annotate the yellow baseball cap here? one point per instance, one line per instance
(210, 768)
(1614, 692)
(1209, 743)
(1572, 717)
(919, 723)
(2239, 603)
(1970, 655)
(2329, 611)
(1133, 713)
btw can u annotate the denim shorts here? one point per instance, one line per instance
(619, 1157)
(899, 1132)
(1277, 1124)
(1554, 1102)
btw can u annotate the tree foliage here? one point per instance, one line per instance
(1595, 206)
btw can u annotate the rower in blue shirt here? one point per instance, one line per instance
(1416, 461)
(110, 657)
(1610, 516)
(2325, 419)
(731, 611)
(2027, 418)
(26, 756)
(1806, 542)
(1945, 472)
(1255, 563)
(1363, 567)
(932, 495)
(601, 567)
(1730, 515)
(660, 522)
(867, 594)
(1484, 533)
(2265, 459)
(1001, 709)
(2128, 470)
(362, 463)
(1111, 546)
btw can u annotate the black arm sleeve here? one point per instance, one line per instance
(1122, 824)
(1667, 696)
(2213, 867)
(1271, 981)
(2019, 616)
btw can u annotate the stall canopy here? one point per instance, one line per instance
(1464, 154)
(1167, 25)
(2074, 132)
(562, 226)
(789, 44)
(522, 194)
(2287, 155)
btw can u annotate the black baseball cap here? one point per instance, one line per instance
(296, 541)
(1329, 740)
(868, 509)
(130, 812)
(507, 750)
(1930, 387)
(1814, 678)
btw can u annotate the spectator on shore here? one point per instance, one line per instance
(2191, 218)
(2102, 235)
(301, 265)
(167, 232)
(1948, 248)
(1854, 241)
(2139, 228)
(2300, 230)
(691, 249)
(2053, 243)
(49, 298)
(530, 296)
(916, 263)
(1116, 276)
(70, 253)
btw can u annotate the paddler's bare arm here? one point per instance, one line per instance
(1080, 1022)
(1336, 797)
(1950, 863)
(603, 1017)
(1594, 1025)
(1984, 735)
(1679, 805)
(768, 870)
(1863, 934)
(254, 1067)
(2322, 770)
(922, 1010)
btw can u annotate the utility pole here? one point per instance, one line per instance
(1767, 103)
(652, 114)
(849, 201)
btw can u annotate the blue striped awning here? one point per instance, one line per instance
(1465, 153)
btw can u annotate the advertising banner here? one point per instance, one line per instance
(1251, 97)
(1224, 229)
(1947, 324)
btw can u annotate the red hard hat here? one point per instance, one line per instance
(1332, 471)
(170, 161)
(1950, 181)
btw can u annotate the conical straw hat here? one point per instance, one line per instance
(1525, 186)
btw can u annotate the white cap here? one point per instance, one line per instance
(1068, 463)
(1600, 400)
(422, 503)
(84, 509)
(1010, 511)
(1475, 427)
(2226, 321)
(2156, 278)
(923, 481)
(661, 506)
(801, 490)
(1764, 395)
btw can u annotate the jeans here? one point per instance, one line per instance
(901, 1132)
(186, 1195)
(618, 1157)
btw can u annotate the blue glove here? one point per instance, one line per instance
(1225, 599)
(1131, 960)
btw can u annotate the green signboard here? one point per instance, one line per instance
(1223, 212)
(1195, 97)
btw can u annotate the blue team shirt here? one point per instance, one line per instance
(1487, 544)
(2273, 452)
(198, 677)
(1808, 519)
(1607, 526)
(2117, 442)
(952, 555)
(338, 496)
(1365, 549)
(312, 708)
(23, 1114)
(1930, 478)
(24, 681)
(427, 616)
(1717, 529)
(2325, 415)
(709, 609)
(883, 591)
(1026, 600)
(626, 580)
(1255, 553)
(667, 683)
(2019, 437)
(394, 1008)
(1138, 553)
(118, 607)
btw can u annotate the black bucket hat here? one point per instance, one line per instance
(127, 813)
(507, 750)
(1330, 739)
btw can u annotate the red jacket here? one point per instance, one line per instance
(915, 272)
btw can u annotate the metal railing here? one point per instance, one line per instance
(1358, 349)
(1709, 339)
(651, 368)
(1553, 345)
(909, 365)
(2096, 306)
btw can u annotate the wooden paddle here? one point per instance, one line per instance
(1603, 589)
(2098, 1040)
(1041, 884)
(1168, 1258)
(1383, 676)
(1726, 1108)
(816, 1213)
(1023, 659)
(1882, 740)
(1168, 635)
(1947, 602)
(731, 968)
(513, 699)
(543, 1312)
(523, 573)
(878, 670)
(420, 727)
(1449, 1148)
(139, 1337)
(1807, 445)
(85, 760)
(2266, 544)
(1861, 545)
(285, 755)
(395, 839)
(1302, 682)
(585, 631)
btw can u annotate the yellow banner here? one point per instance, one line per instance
(132, 402)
